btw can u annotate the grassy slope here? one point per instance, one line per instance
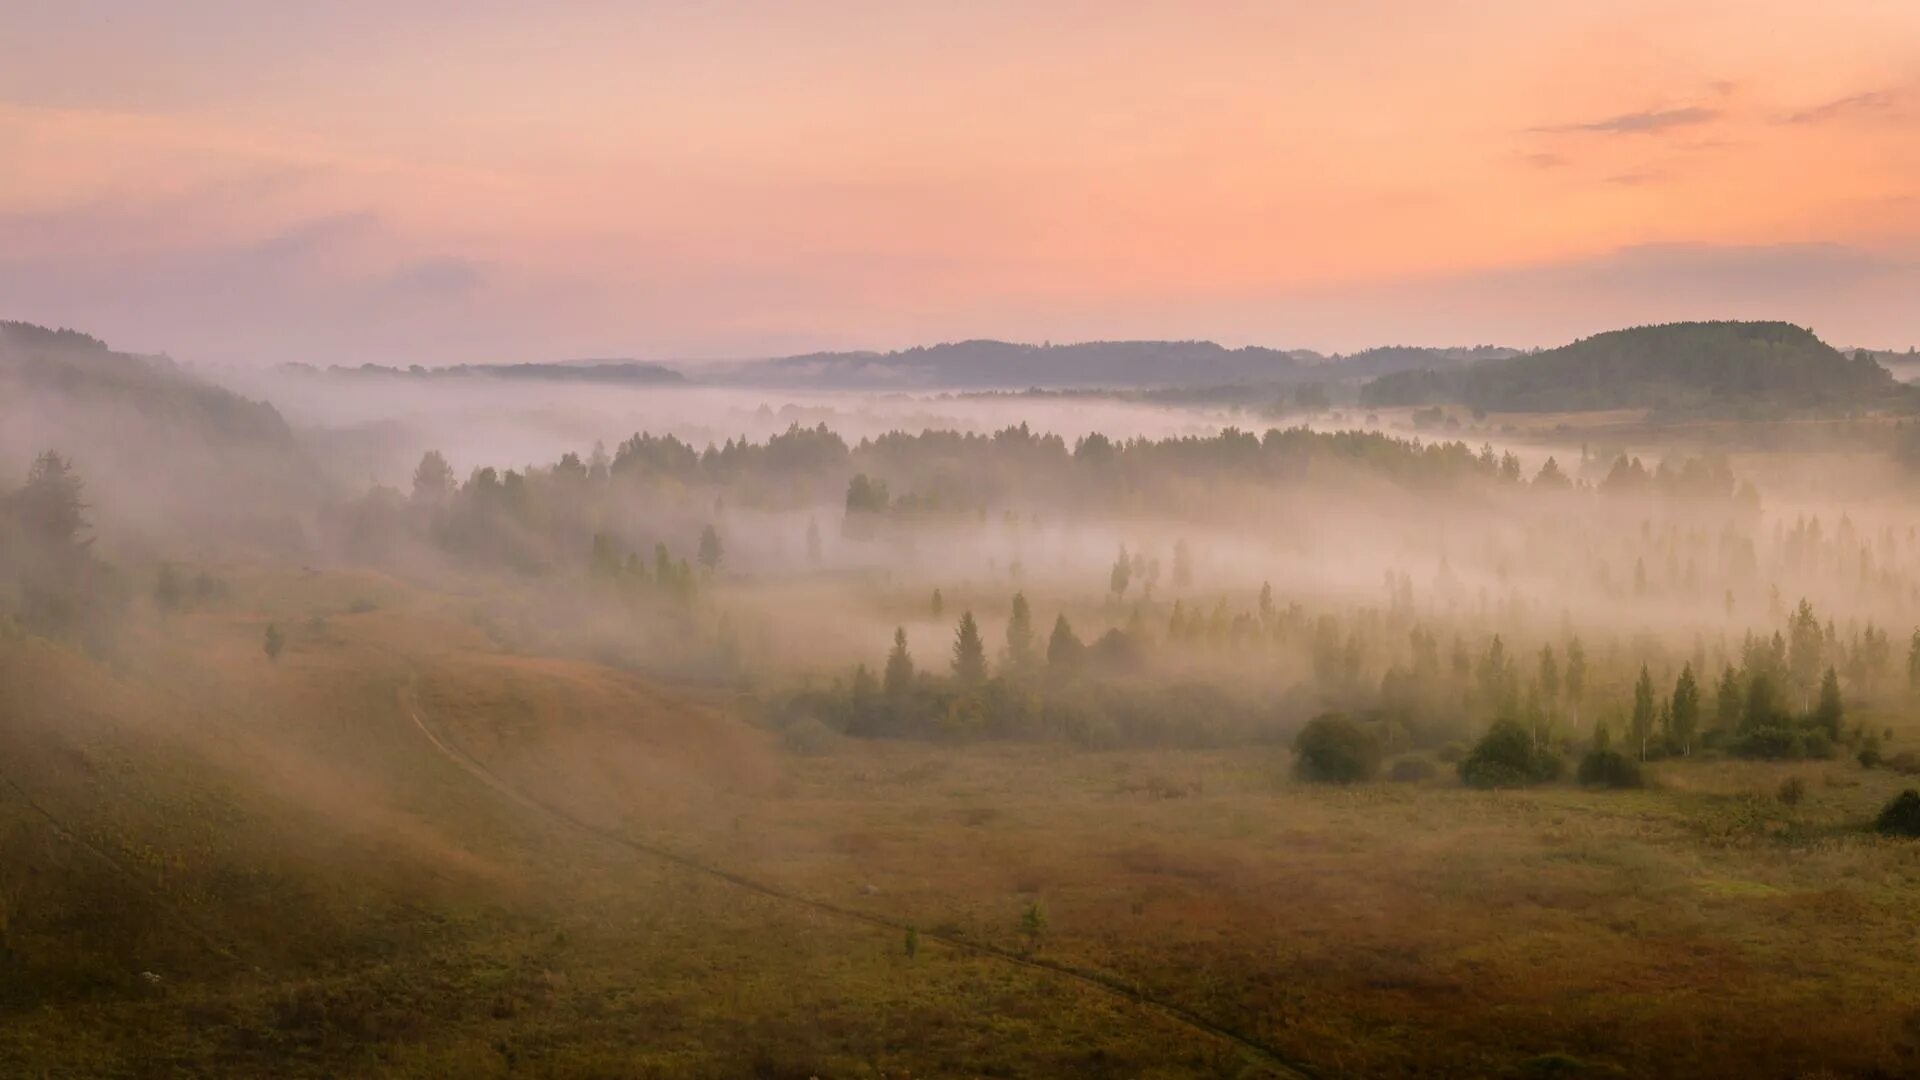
(324, 892)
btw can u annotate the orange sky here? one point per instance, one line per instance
(445, 181)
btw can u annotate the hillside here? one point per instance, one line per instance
(160, 449)
(576, 371)
(978, 365)
(1699, 367)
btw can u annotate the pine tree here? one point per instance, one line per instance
(813, 540)
(1182, 565)
(1684, 713)
(969, 654)
(898, 678)
(1121, 575)
(1805, 645)
(1020, 635)
(1641, 727)
(1063, 646)
(938, 605)
(1829, 712)
(1576, 677)
(1726, 703)
(1549, 679)
(711, 551)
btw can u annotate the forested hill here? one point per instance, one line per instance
(979, 365)
(153, 443)
(66, 367)
(1695, 367)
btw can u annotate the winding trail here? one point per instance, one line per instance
(1281, 1064)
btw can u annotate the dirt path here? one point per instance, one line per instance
(1280, 1064)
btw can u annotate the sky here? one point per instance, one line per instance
(442, 181)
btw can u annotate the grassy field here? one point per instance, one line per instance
(403, 850)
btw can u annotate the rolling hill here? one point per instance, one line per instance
(1748, 368)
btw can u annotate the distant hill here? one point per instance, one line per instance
(159, 449)
(610, 371)
(984, 365)
(1696, 367)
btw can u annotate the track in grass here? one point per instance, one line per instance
(1273, 1058)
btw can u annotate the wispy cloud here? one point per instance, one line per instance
(1873, 103)
(1648, 122)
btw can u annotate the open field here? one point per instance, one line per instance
(386, 855)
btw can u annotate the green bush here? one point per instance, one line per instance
(1505, 757)
(1901, 816)
(1611, 769)
(1332, 749)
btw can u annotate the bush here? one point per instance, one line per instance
(1506, 757)
(1411, 769)
(1332, 749)
(1901, 817)
(1611, 769)
(1906, 763)
(1773, 743)
(1869, 755)
(1792, 790)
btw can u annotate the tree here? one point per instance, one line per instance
(275, 641)
(1684, 712)
(1064, 648)
(938, 605)
(1549, 678)
(1913, 662)
(898, 678)
(1727, 701)
(969, 655)
(49, 509)
(1805, 648)
(1829, 711)
(1332, 749)
(1182, 565)
(813, 540)
(1576, 677)
(1506, 757)
(1020, 656)
(1604, 766)
(1121, 575)
(166, 589)
(432, 479)
(1266, 601)
(1760, 710)
(711, 551)
(1641, 726)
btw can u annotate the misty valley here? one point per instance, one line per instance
(1417, 712)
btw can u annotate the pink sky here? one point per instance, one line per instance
(445, 181)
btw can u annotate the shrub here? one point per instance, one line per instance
(1774, 743)
(1901, 817)
(1506, 757)
(1792, 790)
(1869, 755)
(1332, 749)
(1906, 763)
(1411, 769)
(1609, 768)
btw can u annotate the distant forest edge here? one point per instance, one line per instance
(1731, 369)
(1755, 370)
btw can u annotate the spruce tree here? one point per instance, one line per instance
(969, 654)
